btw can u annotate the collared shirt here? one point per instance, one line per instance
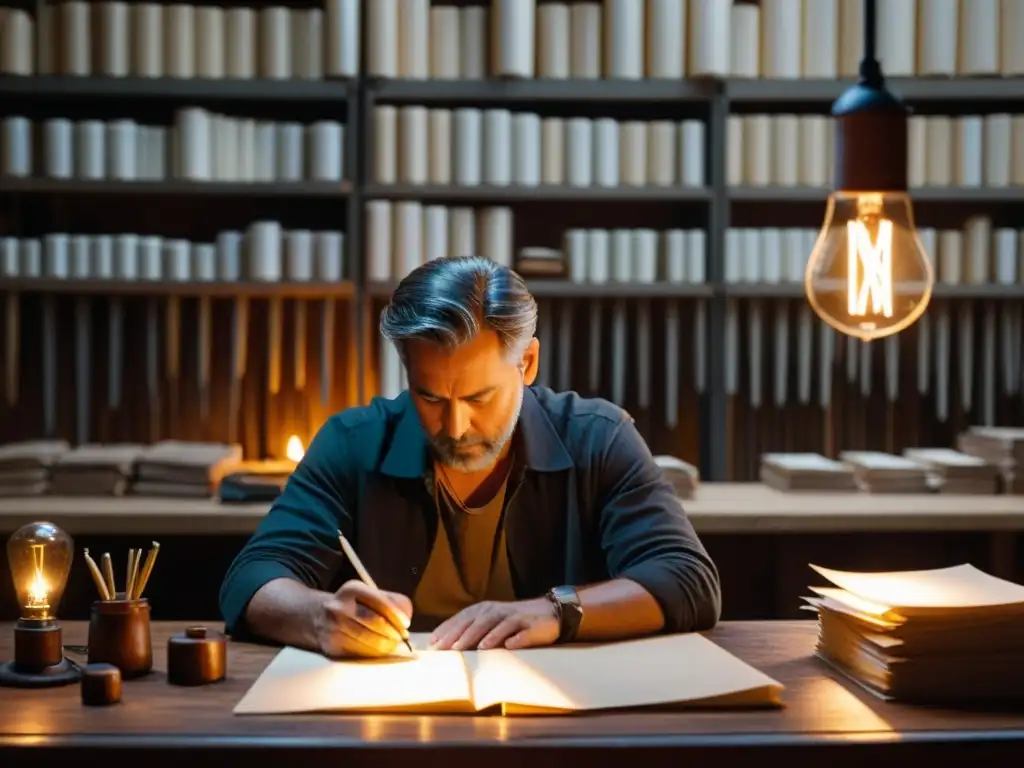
(585, 503)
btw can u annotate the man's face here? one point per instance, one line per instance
(468, 399)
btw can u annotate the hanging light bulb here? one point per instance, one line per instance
(39, 556)
(868, 275)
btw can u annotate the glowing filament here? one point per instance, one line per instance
(38, 590)
(870, 269)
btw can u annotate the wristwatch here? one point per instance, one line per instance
(569, 610)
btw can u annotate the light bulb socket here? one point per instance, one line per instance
(871, 140)
(37, 645)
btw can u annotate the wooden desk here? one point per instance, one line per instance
(164, 725)
(720, 508)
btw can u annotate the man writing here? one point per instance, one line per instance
(490, 512)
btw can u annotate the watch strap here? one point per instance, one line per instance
(570, 612)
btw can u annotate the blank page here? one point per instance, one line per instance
(959, 587)
(670, 670)
(301, 681)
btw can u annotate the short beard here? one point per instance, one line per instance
(446, 450)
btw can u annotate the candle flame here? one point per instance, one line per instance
(294, 451)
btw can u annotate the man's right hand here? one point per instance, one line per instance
(360, 621)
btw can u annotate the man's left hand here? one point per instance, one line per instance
(521, 624)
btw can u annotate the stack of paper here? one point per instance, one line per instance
(941, 636)
(951, 471)
(182, 469)
(1003, 446)
(672, 670)
(685, 478)
(95, 470)
(25, 467)
(805, 472)
(877, 472)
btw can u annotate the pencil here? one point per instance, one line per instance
(129, 584)
(147, 569)
(136, 562)
(96, 576)
(108, 573)
(365, 577)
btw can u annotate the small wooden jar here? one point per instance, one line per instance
(101, 685)
(119, 634)
(197, 656)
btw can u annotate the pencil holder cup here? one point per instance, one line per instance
(119, 634)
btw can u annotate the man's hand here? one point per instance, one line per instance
(522, 624)
(361, 621)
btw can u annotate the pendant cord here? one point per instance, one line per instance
(870, 68)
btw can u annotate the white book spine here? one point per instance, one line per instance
(179, 41)
(734, 161)
(241, 43)
(340, 35)
(606, 152)
(997, 143)
(526, 150)
(408, 238)
(579, 143)
(1004, 242)
(444, 43)
(633, 152)
(462, 232)
(757, 150)
(382, 38)
(662, 140)
(553, 41)
(16, 151)
(851, 36)
(497, 154)
(585, 62)
(378, 241)
(495, 233)
(917, 151)
(440, 146)
(666, 39)
(575, 248)
(552, 151)
(624, 39)
(940, 151)
(412, 146)
(979, 37)
(1011, 52)
(937, 22)
(786, 156)
(745, 41)
(599, 255)
(113, 38)
(275, 43)
(977, 240)
(211, 35)
(76, 34)
(468, 146)
(820, 39)
(414, 39)
(781, 38)
(951, 257)
(385, 144)
(17, 42)
(1017, 151)
(897, 36)
(513, 37)
(435, 232)
(473, 39)
(751, 250)
(709, 38)
(969, 164)
(692, 153)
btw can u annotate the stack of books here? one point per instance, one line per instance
(944, 636)
(877, 472)
(1004, 447)
(180, 469)
(25, 467)
(95, 470)
(951, 471)
(684, 477)
(805, 472)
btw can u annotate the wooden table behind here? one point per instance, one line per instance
(761, 540)
(822, 712)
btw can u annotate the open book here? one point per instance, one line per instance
(672, 670)
(944, 635)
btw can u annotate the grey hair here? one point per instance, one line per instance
(448, 301)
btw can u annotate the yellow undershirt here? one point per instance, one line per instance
(468, 563)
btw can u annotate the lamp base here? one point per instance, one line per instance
(64, 673)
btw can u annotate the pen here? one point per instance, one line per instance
(364, 575)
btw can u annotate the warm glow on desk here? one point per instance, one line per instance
(294, 450)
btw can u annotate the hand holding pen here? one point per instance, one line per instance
(361, 620)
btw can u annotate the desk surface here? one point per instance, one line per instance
(719, 508)
(822, 709)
